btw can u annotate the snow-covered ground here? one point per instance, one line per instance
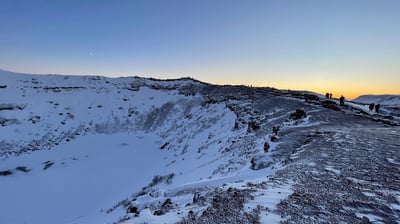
(388, 100)
(88, 149)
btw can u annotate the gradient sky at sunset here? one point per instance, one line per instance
(349, 47)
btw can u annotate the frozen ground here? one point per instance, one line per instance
(77, 150)
(343, 174)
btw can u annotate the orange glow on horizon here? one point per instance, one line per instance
(348, 90)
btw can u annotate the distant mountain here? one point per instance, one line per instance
(389, 100)
(93, 150)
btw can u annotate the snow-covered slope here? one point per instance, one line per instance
(89, 149)
(388, 100)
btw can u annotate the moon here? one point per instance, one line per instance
(91, 53)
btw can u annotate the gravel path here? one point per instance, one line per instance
(342, 173)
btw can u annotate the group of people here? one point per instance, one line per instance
(341, 99)
(372, 106)
(376, 106)
(328, 95)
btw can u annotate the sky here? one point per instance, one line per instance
(347, 47)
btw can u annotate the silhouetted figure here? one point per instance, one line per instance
(371, 107)
(341, 100)
(275, 130)
(377, 108)
(327, 95)
(196, 197)
(330, 95)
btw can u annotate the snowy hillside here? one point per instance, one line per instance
(89, 149)
(389, 100)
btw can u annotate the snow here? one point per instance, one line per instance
(372, 218)
(270, 198)
(87, 176)
(389, 100)
(97, 154)
(83, 149)
(333, 170)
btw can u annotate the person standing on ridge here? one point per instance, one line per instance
(377, 106)
(341, 100)
(371, 107)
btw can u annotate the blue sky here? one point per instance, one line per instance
(347, 47)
